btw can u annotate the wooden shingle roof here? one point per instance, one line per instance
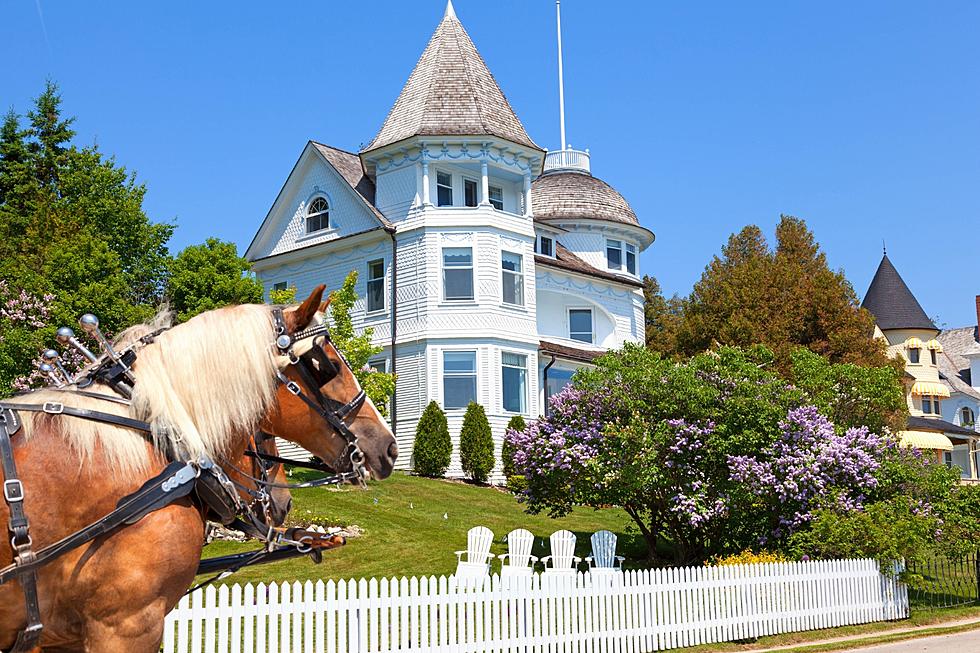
(451, 92)
(892, 303)
(565, 195)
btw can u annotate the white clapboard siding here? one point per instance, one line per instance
(635, 611)
(292, 450)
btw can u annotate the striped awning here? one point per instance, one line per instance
(930, 389)
(913, 343)
(925, 440)
(935, 345)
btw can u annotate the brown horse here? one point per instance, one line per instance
(205, 386)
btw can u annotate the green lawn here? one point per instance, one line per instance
(413, 525)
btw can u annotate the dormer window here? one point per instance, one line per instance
(317, 215)
(914, 354)
(444, 189)
(546, 246)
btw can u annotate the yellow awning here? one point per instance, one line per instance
(928, 388)
(913, 343)
(934, 345)
(925, 440)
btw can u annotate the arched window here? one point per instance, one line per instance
(317, 215)
(967, 418)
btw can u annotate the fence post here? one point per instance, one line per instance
(976, 571)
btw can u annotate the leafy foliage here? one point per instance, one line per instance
(782, 298)
(747, 557)
(433, 447)
(516, 423)
(283, 297)
(476, 444)
(357, 347)
(209, 276)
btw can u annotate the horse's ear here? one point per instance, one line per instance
(325, 304)
(303, 314)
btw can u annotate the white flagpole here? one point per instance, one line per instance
(561, 79)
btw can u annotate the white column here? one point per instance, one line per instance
(528, 211)
(426, 201)
(484, 183)
(971, 447)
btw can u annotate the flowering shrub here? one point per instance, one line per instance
(810, 467)
(24, 320)
(747, 557)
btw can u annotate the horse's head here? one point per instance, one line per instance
(320, 404)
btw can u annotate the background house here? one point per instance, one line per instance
(959, 368)
(489, 268)
(912, 335)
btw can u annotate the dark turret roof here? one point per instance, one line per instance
(892, 303)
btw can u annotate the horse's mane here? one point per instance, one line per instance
(202, 382)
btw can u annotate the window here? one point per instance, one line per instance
(512, 278)
(966, 416)
(458, 378)
(279, 286)
(317, 215)
(948, 459)
(914, 355)
(930, 405)
(932, 353)
(457, 273)
(444, 189)
(631, 258)
(546, 246)
(557, 379)
(514, 378)
(580, 324)
(497, 197)
(614, 254)
(376, 285)
(469, 192)
(379, 365)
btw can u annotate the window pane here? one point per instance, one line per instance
(454, 257)
(546, 246)
(459, 361)
(580, 320)
(380, 365)
(515, 389)
(459, 391)
(630, 261)
(469, 192)
(376, 269)
(497, 198)
(514, 360)
(511, 261)
(444, 190)
(913, 355)
(557, 379)
(376, 295)
(513, 288)
(614, 254)
(458, 283)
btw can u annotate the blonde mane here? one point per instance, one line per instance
(199, 385)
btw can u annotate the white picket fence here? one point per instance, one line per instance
(631, 611)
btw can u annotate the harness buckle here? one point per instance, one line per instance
(284, 342)
(293, 387)
(53, 408)
(13, 491)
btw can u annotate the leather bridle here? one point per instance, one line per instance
(316, 370)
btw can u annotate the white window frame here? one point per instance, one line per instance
(524, 408)
(630, 250)
(443, 375)
(319, 215)
(369, 281)
(471, 268)
(568, 318)
(383, 364)
(452, 195)
(539, 248)
(519, 274)
(619, 248)
(491, 200)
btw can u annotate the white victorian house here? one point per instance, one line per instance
(489, 268)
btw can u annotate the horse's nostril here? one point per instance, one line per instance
(393, 450)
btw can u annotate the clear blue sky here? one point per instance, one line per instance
(861, 117)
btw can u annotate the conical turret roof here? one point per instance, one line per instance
(892, 303)
(451, 92)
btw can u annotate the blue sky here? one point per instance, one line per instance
(861, 117)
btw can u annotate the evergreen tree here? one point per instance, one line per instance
(433, 447)
(516, 423)
(476, 444)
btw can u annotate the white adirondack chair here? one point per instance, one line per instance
(604, 556)
(518, 560)
(478, 556)
(563, 559)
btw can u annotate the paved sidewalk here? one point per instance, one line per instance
(968, 642)
(973, 647)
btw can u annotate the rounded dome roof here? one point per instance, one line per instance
(564, 195)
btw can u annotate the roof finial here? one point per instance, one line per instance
(450, 12)
(561, 79)
(884, 250)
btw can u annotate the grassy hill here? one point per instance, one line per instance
(412, 527)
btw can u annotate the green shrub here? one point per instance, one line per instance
(516, 483)
(433, 447)
(476, 444)
(746, 557)
(516, 423)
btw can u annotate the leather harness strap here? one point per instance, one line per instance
(56, 408)
(20, 538)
